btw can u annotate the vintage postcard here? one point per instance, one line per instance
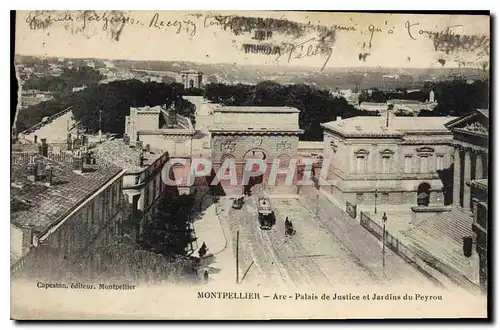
(250, 165)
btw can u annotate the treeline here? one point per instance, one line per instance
(63, 84)
(114, 99)
(455, 97)
(380, 96)
(316, 106)
(458, 96)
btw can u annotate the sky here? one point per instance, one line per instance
(397, 40)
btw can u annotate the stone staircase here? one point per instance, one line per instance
(442, 238)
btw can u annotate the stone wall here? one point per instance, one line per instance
(238, 145)
(239, 148)
(176, 145)
(257, 119)
(95, 224)
(55, 129)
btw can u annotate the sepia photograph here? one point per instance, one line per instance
(250, 165)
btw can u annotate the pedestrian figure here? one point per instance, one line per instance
(203, 250)
(205, 277)
(289, 231)
(287, 226)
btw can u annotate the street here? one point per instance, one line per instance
(325, 250)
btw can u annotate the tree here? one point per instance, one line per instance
(167, 232)
(316, 106)
(458, 96)
(114, 99)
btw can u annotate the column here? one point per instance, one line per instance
(467, 177)
(479, 165)
(456, 177)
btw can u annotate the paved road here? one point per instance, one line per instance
(312, 257)
(326, 250)
(361, 243)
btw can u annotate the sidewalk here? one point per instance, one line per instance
(400, 229)
(208, 229)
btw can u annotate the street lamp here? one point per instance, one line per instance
(317, 204)
(376, 194)
(384, 219)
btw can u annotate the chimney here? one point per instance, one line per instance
(32, 170)
(88, 158)
(85, 154)
(44, 149)
(91, 158)
(39, 168)
(48, 176)
(77, 162)
(69, 141)
(141, 159)
(77, 143)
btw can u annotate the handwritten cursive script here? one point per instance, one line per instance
(307, 49)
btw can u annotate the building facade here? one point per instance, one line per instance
(64, 207)
(160, 128)
(392, 162)
(54, 128)
(143, 181)
(470, 180)
(266, 133)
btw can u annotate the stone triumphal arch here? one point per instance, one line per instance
(266, 133)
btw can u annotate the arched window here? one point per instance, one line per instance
(423, 194)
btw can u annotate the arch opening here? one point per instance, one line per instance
(423, 194)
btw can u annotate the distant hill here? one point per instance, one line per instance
(331, 78)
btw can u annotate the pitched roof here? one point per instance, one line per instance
(126, 157)
(485, 112)
(35, 205)
(376, 125)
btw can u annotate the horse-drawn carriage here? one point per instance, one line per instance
(266, 215)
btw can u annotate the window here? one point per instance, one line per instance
(424, 164)
(359, 198)
(92, 215)
(103, 208)
(439, 162)
(385, 198)
(154, 188)
(408, 167)
(360, 164)
(360, 161)
(118, 193)
(111, 205)
(386, 165)
(482, 215)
